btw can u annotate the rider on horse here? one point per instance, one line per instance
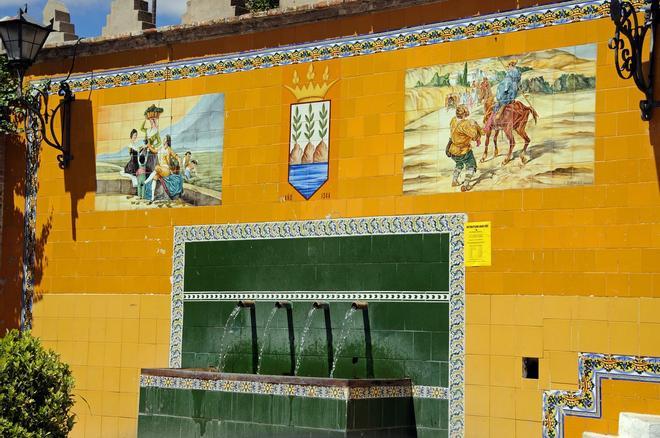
(507, 91)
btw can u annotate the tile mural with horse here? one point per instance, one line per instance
(522, 121)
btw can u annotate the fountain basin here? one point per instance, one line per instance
(205, 403)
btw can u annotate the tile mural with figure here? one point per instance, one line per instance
(511, 122)
(160, 153)
(309, 134)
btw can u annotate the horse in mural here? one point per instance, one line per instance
(512, 118)
(452, 100)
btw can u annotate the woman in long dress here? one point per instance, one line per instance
(151, 135)
(166, 170)
(132, 165)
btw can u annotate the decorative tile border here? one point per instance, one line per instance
(386, 225)
(437, 392)
(289, 389)
(419, 296)
(474, 27)
(587, 400)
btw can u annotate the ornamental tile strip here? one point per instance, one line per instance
(418, 296)
(587, 400)
(385, 225)
(436, 392)
(474, 27)
(289, 389)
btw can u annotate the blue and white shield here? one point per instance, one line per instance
(309, 144)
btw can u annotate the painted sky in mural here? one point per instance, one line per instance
(468, 123)
(160, 153)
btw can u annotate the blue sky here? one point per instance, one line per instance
(89, 15)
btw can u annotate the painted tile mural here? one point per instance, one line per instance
(161, 153)
(512, 122)
(309, 138)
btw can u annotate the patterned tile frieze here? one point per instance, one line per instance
(474, 27)
(587, 400)
(312, 296)
(420, 391)
(298, 390)
(451, 224)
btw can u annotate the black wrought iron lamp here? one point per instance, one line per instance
(23, 38)
(628, 44)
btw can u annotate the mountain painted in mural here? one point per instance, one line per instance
(165, 153)
(198, 131)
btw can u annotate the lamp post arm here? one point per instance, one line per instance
(628, 45)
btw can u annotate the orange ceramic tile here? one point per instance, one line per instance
(502, 404)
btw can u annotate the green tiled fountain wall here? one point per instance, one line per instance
(408, 339)
(196, 413)
(409, 262)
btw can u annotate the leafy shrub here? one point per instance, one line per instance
(8, 89)
(35, 389)
(261, 5)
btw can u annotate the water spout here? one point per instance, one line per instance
(265, 337)
(301, 348)
(360, 305)
(223, 348)
(343, 334)
(280, 304)
(246, 303)
(321, 305)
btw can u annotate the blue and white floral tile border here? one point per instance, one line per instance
(530, 18)
(587, 400)
(451, 224)
(290, 389)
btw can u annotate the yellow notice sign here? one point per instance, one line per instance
(477, 244)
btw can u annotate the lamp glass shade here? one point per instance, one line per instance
(9, 32)
(23, 37)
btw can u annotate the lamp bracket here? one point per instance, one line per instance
(628, 45)
(35, 102)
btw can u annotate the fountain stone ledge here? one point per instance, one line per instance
(207, 403)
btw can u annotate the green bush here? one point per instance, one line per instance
(8, 89)
(35, 389)
(260, 5)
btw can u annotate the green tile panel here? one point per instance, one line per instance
(407, 340)
(166, 413)
(411, 262)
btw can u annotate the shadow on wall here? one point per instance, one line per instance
(79, 179)
(12, 238)
(654, 124)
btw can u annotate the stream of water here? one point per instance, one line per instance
(264, 338)
(301, 348)
(223, 348)
(342, 339)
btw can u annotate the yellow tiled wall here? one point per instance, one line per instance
(105, 339)
(502, 329)
(574, 269)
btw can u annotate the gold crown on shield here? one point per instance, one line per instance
(312, 91)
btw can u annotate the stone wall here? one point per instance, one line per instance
(128, 16)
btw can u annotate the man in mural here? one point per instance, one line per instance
(463, 131)
(507, 91)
